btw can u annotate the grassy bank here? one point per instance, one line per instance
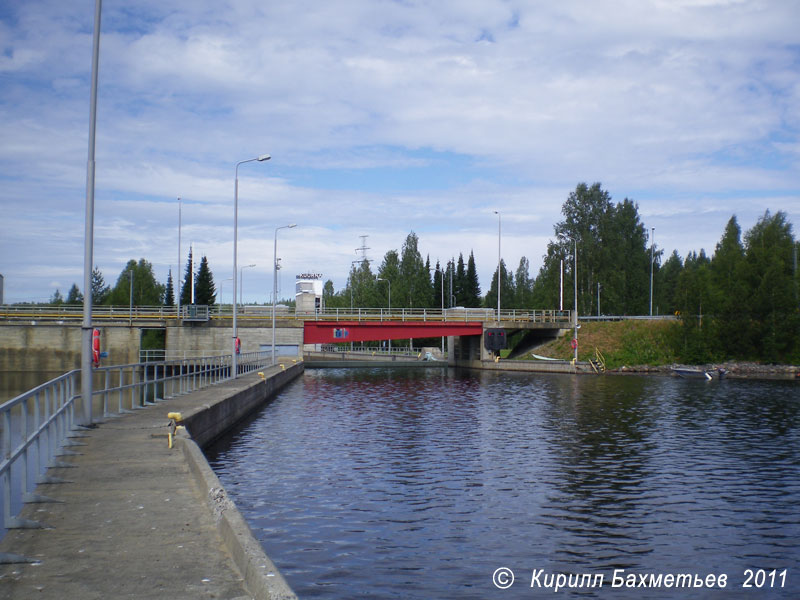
(622, 343)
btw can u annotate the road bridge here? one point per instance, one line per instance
(47, 338)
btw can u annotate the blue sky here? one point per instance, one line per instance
(384, 117)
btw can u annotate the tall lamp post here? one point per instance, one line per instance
(275, 283)
(442, 274)
(499, 283)
(262, 158)
(88, 235)
(652, 256)
(390, 304)
(241, 281)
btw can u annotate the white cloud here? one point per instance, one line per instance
(386, 117)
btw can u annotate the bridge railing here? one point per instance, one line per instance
(455, 315)
(204, 313)
(35, 427)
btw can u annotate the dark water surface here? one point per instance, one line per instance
(422, 483)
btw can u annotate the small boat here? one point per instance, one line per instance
(698, 373)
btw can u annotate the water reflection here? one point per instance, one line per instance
(419, 484)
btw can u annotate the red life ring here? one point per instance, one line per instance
(96, 347)
(238, 345)
(573, 344)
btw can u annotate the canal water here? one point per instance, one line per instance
(380, 483)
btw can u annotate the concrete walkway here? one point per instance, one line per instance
(138, 520)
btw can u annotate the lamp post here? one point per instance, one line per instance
(390, 304)
(262, 158)
(241, 281)
(275, 283)
(442, 274)
(85, 417)
(499, 283)
(575, 269)
(652, 256)
(178, 311)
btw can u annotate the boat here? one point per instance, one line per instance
(698, 373)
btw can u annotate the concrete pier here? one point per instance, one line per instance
(136, 519)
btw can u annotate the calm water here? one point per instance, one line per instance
(420, 484)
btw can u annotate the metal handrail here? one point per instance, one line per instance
(35, 426)
(169, 313)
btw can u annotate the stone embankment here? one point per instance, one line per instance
(734, 370)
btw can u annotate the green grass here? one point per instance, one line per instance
(622, 343)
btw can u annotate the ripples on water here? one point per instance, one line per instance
(419, 484)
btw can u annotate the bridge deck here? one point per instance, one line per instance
(134, 522)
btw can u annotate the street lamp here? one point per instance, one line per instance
(390, 304)
(497, 212)
(241, 281)
(442, 274)
(219, 292)
(275, 283)
(262, 158)
(652, 256)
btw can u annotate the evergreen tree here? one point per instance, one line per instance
(728, 278)
(693, 294)
(460, 282)
(74, 296)
(169, 294)
(188, 277)
(389, 270)
(506, 290)
(100, 290)
(472, 297)
(415, 289)
(438, 286)
(204, 289)
(666, 284)
(57, 298)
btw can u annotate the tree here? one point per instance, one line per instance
(506, 290)
(204, 289)
(730, 289)
(390, 271)
(666, 284)
(188, 277)
(612, 250)
(361, 286)
(523, 285)
(472, 292)
(169, 294)
(460, 282)
(438, 285)
(146, 290)
(768, 272)
(57, 298)
(414, 287)
(100, 290)
(693, 295)
(74, 296)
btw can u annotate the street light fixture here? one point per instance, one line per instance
(262, 158)
(439, 269)
(497, 212)
(275, 283)
(241, 281)
(652, 256)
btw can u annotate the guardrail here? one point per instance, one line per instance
(248, 313)
(35, 427)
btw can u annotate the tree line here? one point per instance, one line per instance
(741, 302)
(137, 284)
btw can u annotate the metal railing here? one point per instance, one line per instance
(35, 427)
(248, 313)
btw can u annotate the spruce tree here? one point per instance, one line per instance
(472, 296)
(186, 288)
(100, 290)
(204, 289)
(169, 294)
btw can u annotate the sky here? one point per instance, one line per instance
(383, 117)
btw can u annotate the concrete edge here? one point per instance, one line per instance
(262, 577)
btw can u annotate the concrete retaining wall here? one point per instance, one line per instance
(210, 420)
